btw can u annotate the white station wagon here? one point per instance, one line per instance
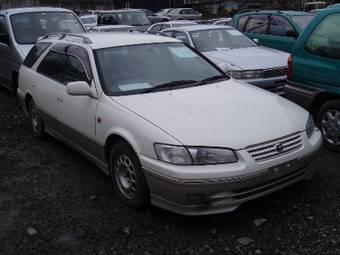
(165, 123)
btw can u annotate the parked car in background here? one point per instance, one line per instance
(236, 54)
(19, 31)
(310, 6)
(313, 77)
(223, 22)
(89, 21)
(274, 29)
(165, 123)
(158, 27)
(130, 17)
(154, 17)
(112, 28)
(184, 14)
(164, 11)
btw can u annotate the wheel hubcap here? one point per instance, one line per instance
(35, 121)
(125, 176)
(330, 127)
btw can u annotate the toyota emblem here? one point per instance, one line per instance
(279, 147)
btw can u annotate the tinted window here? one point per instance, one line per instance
(28, 27)
(35, 53)
(74, 70)
(242, 22)
(3, 29)
(166, 26)
(52, 66)
(156, 28)
(325, 39)
(181, 36)
(257, 24)
(279, 26)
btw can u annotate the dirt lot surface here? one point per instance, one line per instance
(54, 201)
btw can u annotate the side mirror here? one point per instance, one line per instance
(292, 33)
(80, 88)
(4, 38)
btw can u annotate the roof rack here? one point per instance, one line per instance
(63, 35)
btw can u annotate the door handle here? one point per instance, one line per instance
(60, 99)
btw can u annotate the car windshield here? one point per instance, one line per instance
(303, 20)
(28, 27)
(133, 69)
(220, 39)
(133, 18)
(88, 20)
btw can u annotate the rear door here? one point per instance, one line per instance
(256, 27)
(281, 33)
(316, 60)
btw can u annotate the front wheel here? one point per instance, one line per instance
(37, 124)
(328, 120)
(127, 176)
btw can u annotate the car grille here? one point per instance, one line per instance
(277, 72)
(276, 148)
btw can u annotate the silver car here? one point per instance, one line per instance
(158, 27)
(184, 14)
(236, 54)
(19, 31)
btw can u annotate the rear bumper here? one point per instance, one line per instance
(301, 94)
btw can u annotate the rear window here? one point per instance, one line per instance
(35, 53)
(302, 21)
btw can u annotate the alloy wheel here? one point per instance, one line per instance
(330, 126)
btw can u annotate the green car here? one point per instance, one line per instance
(314, 74)
(273, 29)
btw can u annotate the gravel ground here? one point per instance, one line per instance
(54, 201)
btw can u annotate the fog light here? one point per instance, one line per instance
(194, 199)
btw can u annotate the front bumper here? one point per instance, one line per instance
(223, 188)
(274, 85)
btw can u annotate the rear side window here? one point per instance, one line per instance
(242, 22)
(257, 24)
(156, 28)
(52, 66)
(181, 36)
(325, 39)
(279, 26)
(35, 53)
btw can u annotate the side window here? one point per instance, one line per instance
(324, 41)
(165, 26)
(52, 66)
(279, 26)
(181, 36)
(182, 12)
(242, 22)
(3, 30)
(74, 70)
(35, 53)
(156, 28)
(168, 33)
(257, 24)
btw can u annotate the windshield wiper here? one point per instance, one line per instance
(213, 78)
(171, 84)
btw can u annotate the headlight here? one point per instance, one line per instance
(310, 126)
(246, 74)
(180, 155)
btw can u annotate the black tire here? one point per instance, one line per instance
(321, 118)
(36, 123)
(129, 185)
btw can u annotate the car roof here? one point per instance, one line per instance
(288, 13)
(107, 40)
(29, 10)
(197, 28)
(121, 10)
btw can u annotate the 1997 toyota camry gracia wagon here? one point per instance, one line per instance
(165, 123)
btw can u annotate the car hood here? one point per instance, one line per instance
(252, 58)
(226, 114)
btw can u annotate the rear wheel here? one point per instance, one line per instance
(37, 124)
(328, 120)
(127, 176)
